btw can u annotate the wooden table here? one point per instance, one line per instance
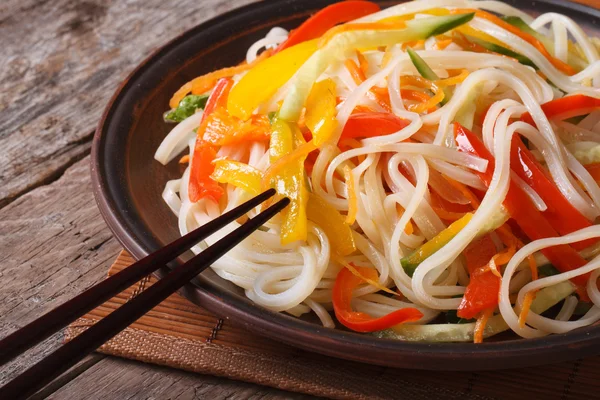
(61, 61)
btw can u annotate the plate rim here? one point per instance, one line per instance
(309, 336)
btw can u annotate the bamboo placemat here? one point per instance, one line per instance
(182, 335)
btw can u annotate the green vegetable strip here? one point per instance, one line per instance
(426, 72)
(340, 44)
(502, 50)
(545, 299)
(186, 108)
(411, 262)
(522, 25)
(574, 60)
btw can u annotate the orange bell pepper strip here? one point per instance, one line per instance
(482, 291)
(327, 18)
(345, 284)
(222, 129)
(522, 210)
(201, 184)
(365, 125)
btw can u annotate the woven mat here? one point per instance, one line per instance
(182, 335)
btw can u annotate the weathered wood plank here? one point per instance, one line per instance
(54, 245)
(114, 378)
(61, 61)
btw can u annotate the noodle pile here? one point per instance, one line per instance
(408, 186)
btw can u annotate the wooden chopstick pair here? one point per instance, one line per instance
(66, 356)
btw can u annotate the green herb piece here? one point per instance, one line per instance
(548, 270)
(453, 318)
(186, 108)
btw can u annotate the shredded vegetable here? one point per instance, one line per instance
(442, 162)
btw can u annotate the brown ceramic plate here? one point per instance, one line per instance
(128, 183)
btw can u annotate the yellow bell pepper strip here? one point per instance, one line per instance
(289, 181)
(411, 262)
(320, 111)
(237, 174)
(320, 120)
(222, 129)
(263, 80)
(204, 83)
(336, 47)
(345, 283)
(200, 184)
(327, 18)
(333, 223)
(352, 198)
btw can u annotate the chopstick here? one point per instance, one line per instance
(46, 325)
(64, 357)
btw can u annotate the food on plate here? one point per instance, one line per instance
(441, 158)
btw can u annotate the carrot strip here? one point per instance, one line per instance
(533, 267)
(558, 64)
(206, 82)
(453, 80)
(356, 272)
(363, 63)
(443, 43)
(413, 80)
(529, 297)
(413, 44)
(359, 77)
(447, 215)
(275, 168)
(185, 159)
(465, 191)
(481, 324)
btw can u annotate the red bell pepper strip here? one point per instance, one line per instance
(560, 213)
(218, 97)
(201, 184)
(345, 284)
(567, 107)
(522, 210)
(364, 125)
(482, 292)
(594, 170)
(327, 18)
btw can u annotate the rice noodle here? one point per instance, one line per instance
(406, 186)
